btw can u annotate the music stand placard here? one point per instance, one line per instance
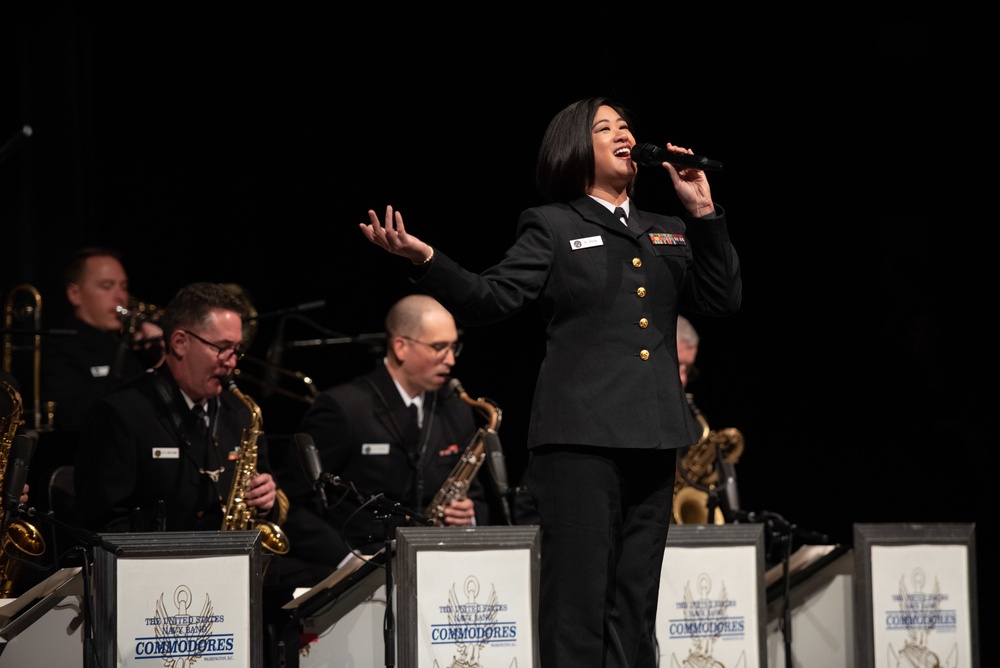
(711, 606)
(174, 598)
(915, 595)
(468, 596)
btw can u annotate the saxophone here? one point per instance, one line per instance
(697, 469)
(456, 486)
(239, 516)
(19, 535)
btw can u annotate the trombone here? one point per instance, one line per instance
(24, 302)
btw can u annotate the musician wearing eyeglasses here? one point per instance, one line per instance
(160, 453)
(395, 433)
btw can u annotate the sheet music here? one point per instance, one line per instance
(47, 586)
(350, 565)
(800, 559)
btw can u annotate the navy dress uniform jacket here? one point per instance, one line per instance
(131, 455)
(360, 430)
(609, 296)
(78, 370)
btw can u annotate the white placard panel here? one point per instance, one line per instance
(192, 610)
(919, 597)
(915, 595)
(468, 596)
(710, 609)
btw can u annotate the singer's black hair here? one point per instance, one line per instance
(565, 168)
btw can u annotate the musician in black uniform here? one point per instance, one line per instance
(396, 431)
(608, 413)
(101, 357)
(160, 452)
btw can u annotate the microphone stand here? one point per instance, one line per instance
(783, 530)
(308, 306)
(384, 510)
(378, 337)
(389, 625)
(88, 540)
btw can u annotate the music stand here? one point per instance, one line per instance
(26, 609)
(329, 601)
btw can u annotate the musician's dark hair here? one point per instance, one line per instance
(193, 303)
(74, 269)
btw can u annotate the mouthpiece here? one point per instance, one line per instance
(455, 385)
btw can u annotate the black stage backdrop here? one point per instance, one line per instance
(246, 147)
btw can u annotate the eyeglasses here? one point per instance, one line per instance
(440, 348)
(225, 352)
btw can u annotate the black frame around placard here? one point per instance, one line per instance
(731, 535)
(173, 545)
(868, 535)
(412, 540)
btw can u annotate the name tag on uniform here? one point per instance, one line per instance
(586, 242)
(166, 453)
(374, 448)
(665, 239)
(100, 371)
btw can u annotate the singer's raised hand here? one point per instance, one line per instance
(392, 236)
(691, 185)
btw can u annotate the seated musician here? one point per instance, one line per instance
(396, 432)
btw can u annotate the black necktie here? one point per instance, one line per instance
(621, 215)
(201, 422)
(414, 419)
(411, 429)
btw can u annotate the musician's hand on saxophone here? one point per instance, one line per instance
(459, 513)
(261, 492)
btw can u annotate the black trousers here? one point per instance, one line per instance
(604, 515)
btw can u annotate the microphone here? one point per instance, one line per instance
(17, 474)
(311, 465)
(729, 499)
(498, 469)
(651, 155)
(496, 461)
(12, 143)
